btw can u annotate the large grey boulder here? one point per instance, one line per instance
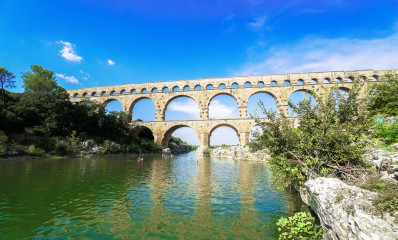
(346, 212)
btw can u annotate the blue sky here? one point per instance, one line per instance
(96, 43)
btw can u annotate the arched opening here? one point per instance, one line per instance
(247, 84)
(235, 85)
(133, 91)
(338, 80)
(253, 104)
(350, 79)
(183, 132)
(143, 133)
(286, 83)
(181, 108)
(113, 93)
(198, 87)
(314, 81)
(76, 95)
(103, 93)
(222, 86)
(144, 90)
(143, 109)
(113, 105)
(187, 88)
(94, 94)
(273, 84)
(260, 84)
(176, 89)
(326, 80)
(165, 89)
(223, 106)
(123, 92)
(223, 134)
(300, 82)
(154, 90)
(297, 97)
(85, 94)
(375, 78)
(209, 86)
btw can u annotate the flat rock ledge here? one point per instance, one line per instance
(346, 212)
(239, 153)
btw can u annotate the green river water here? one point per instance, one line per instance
(114, 197)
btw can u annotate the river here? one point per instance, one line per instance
(114, 197)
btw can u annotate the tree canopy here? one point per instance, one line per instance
(6, 80)
(383, 96)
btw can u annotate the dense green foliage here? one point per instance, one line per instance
(383, 96)
(179, 141)
(3, 141)
(326, 138)
(300, 226)
(6, 80)
(43, 117)
(388, 131)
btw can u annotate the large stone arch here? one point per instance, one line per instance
(107, 101)
(169, 132)
(131, 108)
(168, 101)
(223, 125)
(218, 94)
(137, 130)
(278, 101)
(241, 111)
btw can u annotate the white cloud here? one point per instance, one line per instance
(188, 135)
(224, 135)
(321, 54)
(70, 79)
(68, 53)
(110, 62)
(218, 110)
(189, 106)
(86, 75)
(259, 23)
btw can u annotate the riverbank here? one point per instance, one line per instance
(239, 153)
(347, 210)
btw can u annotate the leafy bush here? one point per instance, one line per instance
(106, 147)
(326, 138)
(387, 131)
(3, 141)
(35, 151)
(383, 96)
(207, 151)
(300, 226)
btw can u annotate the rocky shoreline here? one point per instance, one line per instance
(344, 211)
(239, 153)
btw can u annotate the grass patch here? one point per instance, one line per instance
(387, 198)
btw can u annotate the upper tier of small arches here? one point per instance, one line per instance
(208, 85)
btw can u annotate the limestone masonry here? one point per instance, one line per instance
(279, 86)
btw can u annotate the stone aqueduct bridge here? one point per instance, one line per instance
(279, 86)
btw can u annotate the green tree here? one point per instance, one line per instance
(44, 105)
(383, 96)
(325, 138)
(6, 80)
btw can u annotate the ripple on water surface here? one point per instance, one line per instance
(115, 197)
